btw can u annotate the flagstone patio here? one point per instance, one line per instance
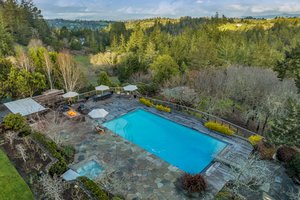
(135, 173)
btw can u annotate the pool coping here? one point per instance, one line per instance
(203, 171)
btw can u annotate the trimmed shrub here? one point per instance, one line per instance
(255, 139)
(294, 165)
(193, 183)
(219, 128)
(265, 150)
(285, 153)
(90, 185)
(163, 108)
(14, 121)
(146, 102)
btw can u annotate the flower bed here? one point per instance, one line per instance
(219, 128)
(146, 102)
(96, 191)
(255, 139)
(163, 108)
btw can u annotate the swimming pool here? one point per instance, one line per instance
(183, 147)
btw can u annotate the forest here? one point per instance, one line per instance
(246, 70)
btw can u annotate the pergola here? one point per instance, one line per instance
(25, 107)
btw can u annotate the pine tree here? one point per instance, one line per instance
(286, 130)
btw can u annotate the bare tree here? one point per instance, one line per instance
(53, 126)
(249, 173)
(10, 137)
(53, 187)
(23, 60)
(22, 151)
(69, 71)
(49, 68)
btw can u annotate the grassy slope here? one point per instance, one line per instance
(86, 67)
(12, 186)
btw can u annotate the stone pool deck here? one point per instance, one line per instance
(135, 173)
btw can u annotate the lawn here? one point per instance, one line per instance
(11, 183)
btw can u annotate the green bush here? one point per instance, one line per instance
(90, 185)
(148, 89)
(294, 165)
(68, 152)
(14, 121)
(146, 102)
(58, 168)
(25, 131)
(61, 165)
(219, 128)
(163, 108)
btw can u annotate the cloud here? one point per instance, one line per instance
(132, 9)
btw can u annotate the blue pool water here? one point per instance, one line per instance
(90, 169)
(183, 147)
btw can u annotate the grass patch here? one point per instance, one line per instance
(86, 67)
(11, 183)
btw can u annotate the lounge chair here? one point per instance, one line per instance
(103, 96)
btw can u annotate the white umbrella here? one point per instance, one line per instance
(130, 88)
(70, 95)
(102, 88)
(98, 113)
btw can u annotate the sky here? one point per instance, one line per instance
(137, 9)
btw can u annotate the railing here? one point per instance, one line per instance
(205, 117)
(191, 111)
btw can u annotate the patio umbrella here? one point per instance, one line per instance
(130, 88)
(70, 95)
(102, 88)
(98, 113)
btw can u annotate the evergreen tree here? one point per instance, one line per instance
(163, 68)
(290, 66)
(104, 79)
(286, 129)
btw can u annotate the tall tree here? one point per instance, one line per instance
(163, 68)
(69, 71)
(290, 66)
(286, 129)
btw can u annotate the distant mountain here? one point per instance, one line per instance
(78, 24)
(273, 16)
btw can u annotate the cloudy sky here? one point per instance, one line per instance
(132, 9)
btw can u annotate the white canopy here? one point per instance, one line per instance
(70, 95)
(102, 88)
(24, 106)
(98, 113)
(130, 88)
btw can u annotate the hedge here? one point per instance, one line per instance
(61, 165)
(96, 191)
(219, 128)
